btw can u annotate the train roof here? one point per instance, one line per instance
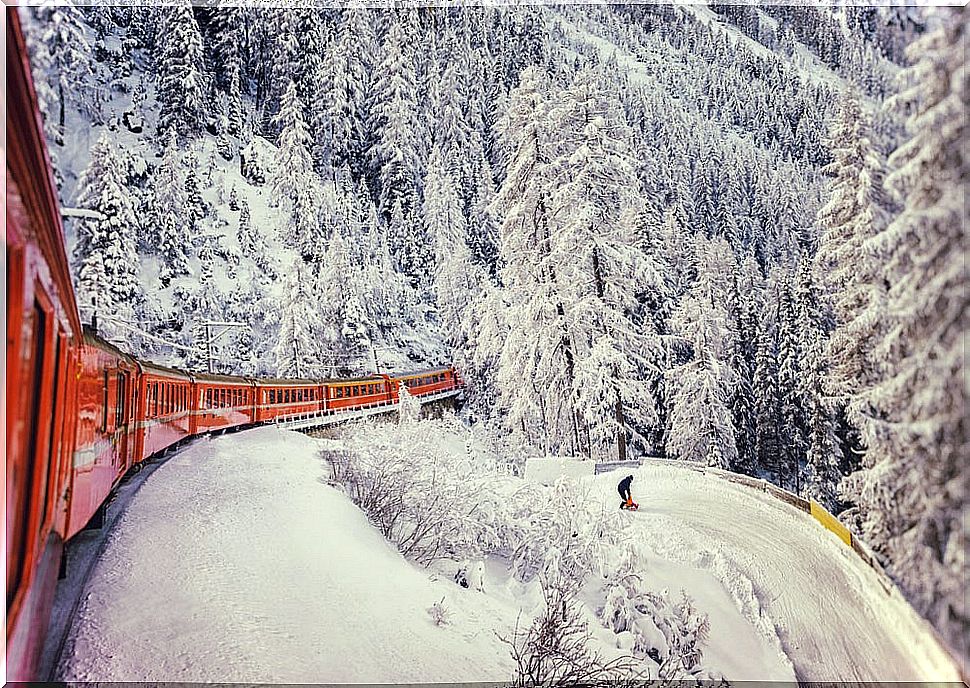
(30, 189)
(228, 379)
(418, 373)
(91, 338)
(283, 382)
(342, 380)
(165, 370)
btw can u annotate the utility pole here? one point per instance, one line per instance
(210, 338)
(208, 348)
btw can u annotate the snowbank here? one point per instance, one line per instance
(548, 471)
(236, 562)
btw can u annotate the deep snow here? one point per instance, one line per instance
(237, 562)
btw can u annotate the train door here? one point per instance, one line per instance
(124, 401)
(29, 457)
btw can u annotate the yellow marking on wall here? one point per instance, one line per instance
(830, 522)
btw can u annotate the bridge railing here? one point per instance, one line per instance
(309, 419)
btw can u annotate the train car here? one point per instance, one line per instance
(164, 409)
(106, 437)
(43, 344)
(277, 398)
(358, 392)
(426, 382)
(222, 402)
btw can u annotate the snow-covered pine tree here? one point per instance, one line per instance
(701, 423)
(823, 451)
(536, 371)
(207, 301)
(338, 116)
(106, 263)
(456, 280)
(770, 438)
(853, 215)
(345, 334)
(790, 362)
(409, 244)
(180, 78)
(68, 58)
(295, 185)
(913, 488)
(395, 126)
(745, 302)
(593, 202)
(169, 206)
(482, 230)
(297, 347)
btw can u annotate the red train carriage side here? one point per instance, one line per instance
(43, 334)
(359, 392)
(426, 382)
(165, 409)
(275, 398)
(106, 428)
(220, 402)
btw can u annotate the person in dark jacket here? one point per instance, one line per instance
(624, 490)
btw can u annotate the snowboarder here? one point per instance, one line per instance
(624, 489)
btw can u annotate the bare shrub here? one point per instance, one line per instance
(554, 651)
(438, 613)
(422, 499)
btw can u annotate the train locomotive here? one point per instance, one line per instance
(80, 412)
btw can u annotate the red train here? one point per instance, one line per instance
(80, 412)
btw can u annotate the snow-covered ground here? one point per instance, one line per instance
(237, 562)
(794, 579)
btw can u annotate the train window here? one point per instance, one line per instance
(208, 398)
(120, 401)
(104, 403)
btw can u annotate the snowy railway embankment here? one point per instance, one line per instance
(244, 559)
